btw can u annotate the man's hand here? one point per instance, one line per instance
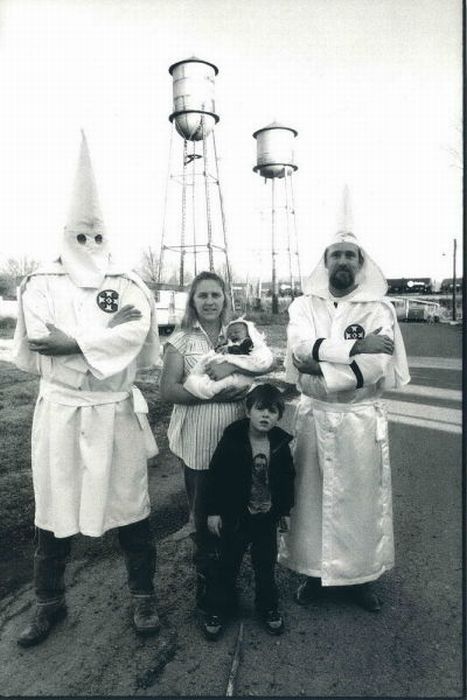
(307, 367)
(215, 524)
(219, 370)
(124, 315)
(231, 393)
(56, 343)
(373, 344)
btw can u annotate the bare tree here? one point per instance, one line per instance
(13, 271)
(19, 267)
(149, 266)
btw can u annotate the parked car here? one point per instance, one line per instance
(170, 305)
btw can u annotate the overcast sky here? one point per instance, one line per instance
(373, 88)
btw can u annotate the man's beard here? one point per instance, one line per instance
(342, 278)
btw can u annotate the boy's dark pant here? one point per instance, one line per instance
(51, 553)
(259, 531)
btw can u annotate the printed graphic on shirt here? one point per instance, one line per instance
(354, 332)
(107, 301)
(260, 497)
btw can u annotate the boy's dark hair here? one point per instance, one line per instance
(266, 396)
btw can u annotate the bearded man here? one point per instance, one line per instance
(344, 340)
(84, 326)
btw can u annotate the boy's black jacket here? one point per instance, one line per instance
(229, 481)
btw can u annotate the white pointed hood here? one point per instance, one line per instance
(372, 286)
(85, 252)
(371, 282)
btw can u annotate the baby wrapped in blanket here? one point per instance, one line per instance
(245, 348)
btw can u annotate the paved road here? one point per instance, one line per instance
(414, 646)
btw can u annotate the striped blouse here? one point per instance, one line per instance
(195, 430)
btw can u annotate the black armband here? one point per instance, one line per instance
(315, 351)
(358, 374)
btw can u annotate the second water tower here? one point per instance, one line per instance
(275, 160)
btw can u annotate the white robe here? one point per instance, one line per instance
(341, 525)
(90, 437)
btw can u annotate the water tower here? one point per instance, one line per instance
(275, 161)
(194, 230)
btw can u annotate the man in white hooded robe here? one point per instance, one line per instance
(344, 348)
(85, 326)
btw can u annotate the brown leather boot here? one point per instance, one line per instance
(46, 615)
(145, 617)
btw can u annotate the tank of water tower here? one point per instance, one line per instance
(275, 150)
(193, 98)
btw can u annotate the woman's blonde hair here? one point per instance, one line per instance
(190, 315)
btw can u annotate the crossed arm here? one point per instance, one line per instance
(59, 343)
(373, 344)
(339, 364)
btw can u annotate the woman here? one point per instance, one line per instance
(196, 425)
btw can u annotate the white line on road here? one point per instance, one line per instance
(436, 362)
(430, 391)
(429, 424)
(434, 417)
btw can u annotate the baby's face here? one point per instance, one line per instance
(237, 332)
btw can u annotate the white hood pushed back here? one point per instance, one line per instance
(85, 252)
(372, 285)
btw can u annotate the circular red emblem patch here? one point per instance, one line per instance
(354, 332)
(107, 301)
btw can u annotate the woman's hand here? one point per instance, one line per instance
(124, 315)
(171, 384)
(219, 370)
(231, 393)
(215, 524)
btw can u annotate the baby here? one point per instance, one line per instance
(245, 348)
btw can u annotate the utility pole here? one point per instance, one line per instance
(454, 252)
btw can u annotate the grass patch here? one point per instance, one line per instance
(8, 323)
(7, 327)
(266, 318)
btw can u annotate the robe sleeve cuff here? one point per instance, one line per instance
(108, 351)
(338, 377)
(332, 350)
(315, 351)
(358, 374)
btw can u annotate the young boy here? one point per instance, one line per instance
(250, 487)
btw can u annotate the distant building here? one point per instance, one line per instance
(447, 285)
(410, 285)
